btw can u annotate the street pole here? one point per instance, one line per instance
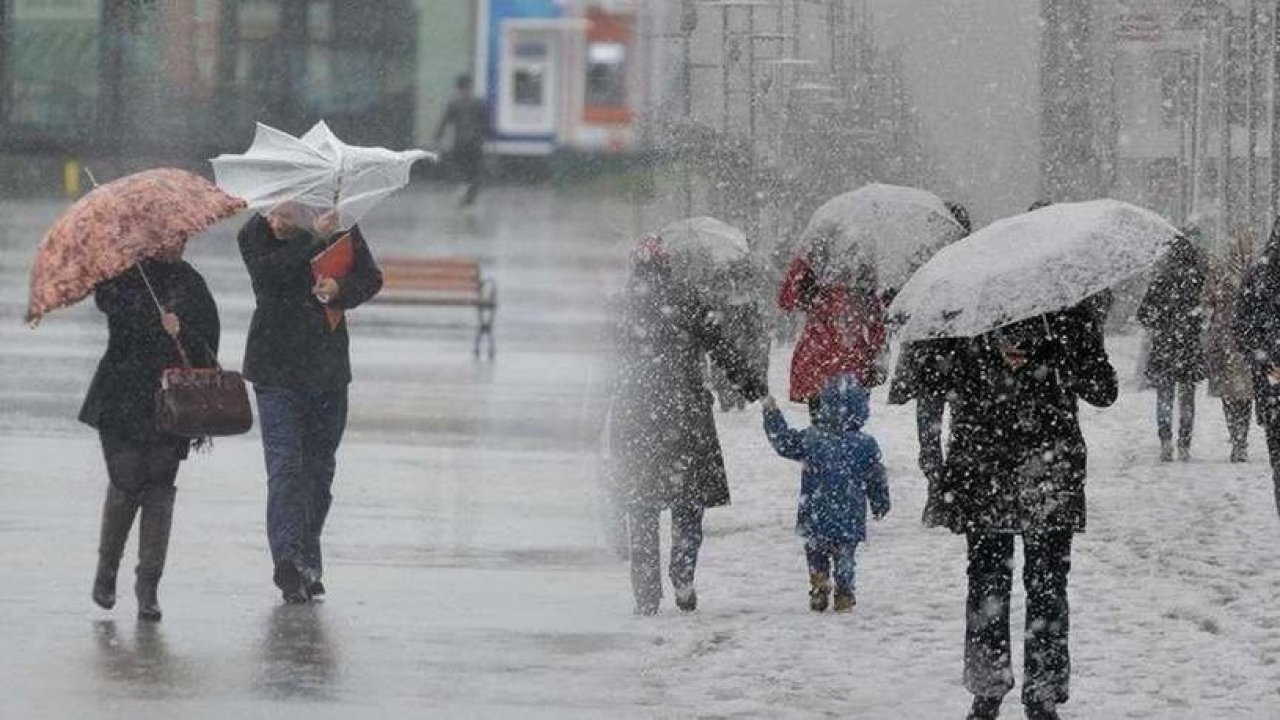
(1224, 100)
(1275, 114)
(688, 24)
(1251, 115)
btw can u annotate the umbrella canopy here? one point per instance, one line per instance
(109, 230)
(891, 228)
(1029, 265)
(317, 170)
(706, 252)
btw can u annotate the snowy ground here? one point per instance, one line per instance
(465, 571)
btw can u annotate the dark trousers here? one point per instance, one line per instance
(1269, 416)
(470, 160)
(1186, 395)
(824, 557)
(1046, 659)
(301, 431)
(646, 560)
(1239, 414)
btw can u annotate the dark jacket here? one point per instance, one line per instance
(1016, 458)
(663, 431)
(121, 397)
(1257, 326)
(842, 466)
(469, 117)
(290, 344)
(1173, 312)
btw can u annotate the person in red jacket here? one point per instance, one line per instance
(844, 330)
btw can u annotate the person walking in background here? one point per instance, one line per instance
(844, 328)
(469, 117)
(1172, 312)
(300, 365)
(1020, 385)
(663, 430)
(1257, 333)
(144, 331)
(919, 376)
(842, 472)
(1228, 367)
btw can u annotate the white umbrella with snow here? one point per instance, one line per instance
(892, 228)
(1028, 265)
(706, 252)
(317, 170)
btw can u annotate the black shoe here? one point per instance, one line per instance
(1042, 711)
(316, 591)
(985, 708)
(1239, 455)
(104, 589)
(148, 603)
(686, 599)
(290, 581)
(819, 592)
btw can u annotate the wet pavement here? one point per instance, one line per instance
(466, 573)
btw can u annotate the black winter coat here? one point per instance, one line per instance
(121, 397)
(663, 430)
(1256, 327)
(1172, 310)
(1016, 459)
(290, 344)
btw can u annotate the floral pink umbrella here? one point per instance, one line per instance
(116, 225)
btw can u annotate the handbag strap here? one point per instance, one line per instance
(182, 352)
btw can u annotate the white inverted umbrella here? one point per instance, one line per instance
(317, 170)
(891, 228)
(1028, 265)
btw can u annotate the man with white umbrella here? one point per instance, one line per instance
(299, 362)
(305, 276)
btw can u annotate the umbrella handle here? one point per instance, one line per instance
(182, 352)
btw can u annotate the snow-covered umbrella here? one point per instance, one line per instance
(317, 170)
(706, 252)
(891, 228)
(1028, 265)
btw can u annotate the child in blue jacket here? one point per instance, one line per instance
(842, 471)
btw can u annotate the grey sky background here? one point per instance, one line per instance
(973, 67)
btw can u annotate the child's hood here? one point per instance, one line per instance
(844, 405)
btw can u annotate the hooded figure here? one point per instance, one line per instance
(663, 430)
(842, 473)
(1229, 377)
(1172, 312)
(1257, 334)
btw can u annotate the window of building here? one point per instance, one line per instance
(606, 74)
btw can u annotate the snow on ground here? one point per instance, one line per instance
(464, 562)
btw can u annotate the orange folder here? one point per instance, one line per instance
(334, 262)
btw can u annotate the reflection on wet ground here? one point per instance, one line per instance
(298, 660)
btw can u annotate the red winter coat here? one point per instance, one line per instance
(843, 331)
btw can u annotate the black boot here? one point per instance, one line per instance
(153, 547)
(1041, 711)
(118, 510)
(985, 708)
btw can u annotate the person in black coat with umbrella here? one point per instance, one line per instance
(1172, 311)
(1015, 466)
(1257, 333)
(142, 464)
(663, 430)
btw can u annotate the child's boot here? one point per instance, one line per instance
(819, 592)
(845, 601)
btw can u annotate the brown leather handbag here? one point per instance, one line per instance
(200, 402)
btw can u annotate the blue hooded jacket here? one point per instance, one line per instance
(842, 467)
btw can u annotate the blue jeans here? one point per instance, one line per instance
(301, 431)
(823, 557)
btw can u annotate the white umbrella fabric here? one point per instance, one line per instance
(895, 229)
(1028, 265)
(317, 170)
(706, 252)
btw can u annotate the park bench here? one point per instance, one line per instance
(457, 281)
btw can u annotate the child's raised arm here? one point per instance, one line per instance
(786, 442)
